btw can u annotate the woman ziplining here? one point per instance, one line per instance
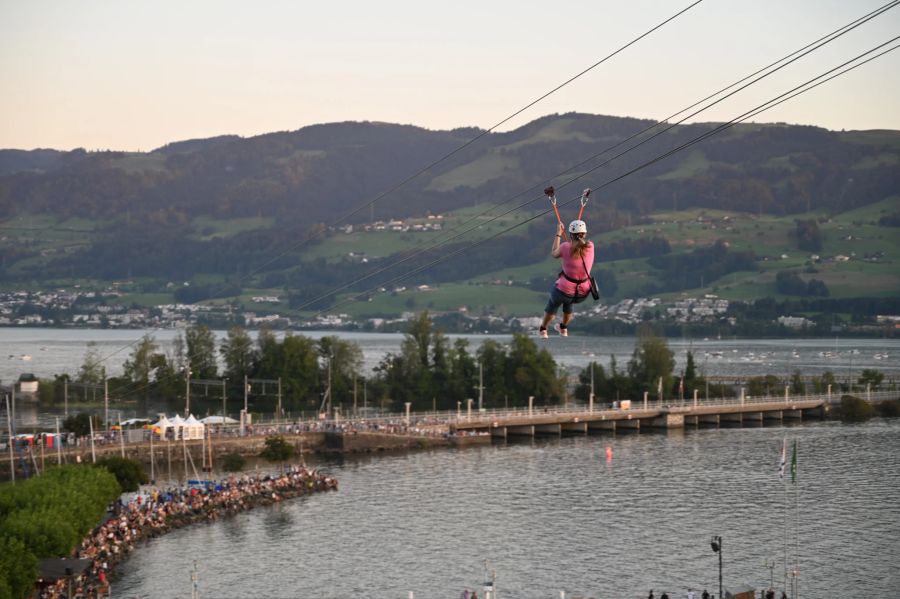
(575, 282)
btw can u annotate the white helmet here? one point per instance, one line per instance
(577, 226)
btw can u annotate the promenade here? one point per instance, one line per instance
(155, 512)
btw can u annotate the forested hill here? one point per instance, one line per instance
(148, 213)
(319, 172)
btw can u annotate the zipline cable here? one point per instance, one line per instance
(424, 169)
(794, 56)
(397, 186)
(777, 100)
(792, 93)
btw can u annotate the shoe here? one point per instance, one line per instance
(543, 334)
(563, 331)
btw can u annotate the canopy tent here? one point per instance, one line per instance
(132, 421)
(218, 420)
(162, 426)
(192, 428)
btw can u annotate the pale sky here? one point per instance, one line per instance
(135, 74)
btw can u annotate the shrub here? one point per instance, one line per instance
(889, 408)
(233, 462)
(129, 473)
(854, 409)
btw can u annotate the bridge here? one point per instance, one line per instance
(633, 417)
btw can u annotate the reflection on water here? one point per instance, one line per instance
(553, 515)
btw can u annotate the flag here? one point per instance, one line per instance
(794, 464)
(781, 466)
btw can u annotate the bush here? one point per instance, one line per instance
(277, 450)
(129, 473)
(47, 516)
(233, 462)
(889, 408)
(854, 409)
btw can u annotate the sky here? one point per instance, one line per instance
(133, 75)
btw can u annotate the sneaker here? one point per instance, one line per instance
(563, 331)
(543, 334)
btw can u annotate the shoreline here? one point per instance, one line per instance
(152, 514)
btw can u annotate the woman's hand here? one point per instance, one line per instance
(560, 229)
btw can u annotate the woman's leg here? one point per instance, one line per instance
(548, 316)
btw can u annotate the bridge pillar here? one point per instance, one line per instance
(668, 421)
(731, 419)
(498, 432)
(708, 420)
(628, 425)
(526, 430)
(548, 429)
(574, 428)
(693, 421)
(595, 426)
(792, 414)
(820, 412)
(753, 417)
(776, 415)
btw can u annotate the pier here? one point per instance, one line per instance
(632, 417)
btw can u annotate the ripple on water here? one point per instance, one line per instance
(554, 515)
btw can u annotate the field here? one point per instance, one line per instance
(870, 267)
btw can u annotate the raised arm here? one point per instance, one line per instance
(560, 228)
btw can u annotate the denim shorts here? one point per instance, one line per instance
(557, 299)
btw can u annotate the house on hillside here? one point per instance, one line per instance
(28, 385)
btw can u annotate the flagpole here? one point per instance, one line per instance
(797, 522)
(786, 509)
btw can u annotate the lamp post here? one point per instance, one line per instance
(187, 392)
(716, 544)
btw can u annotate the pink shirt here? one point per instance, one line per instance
(573, 267)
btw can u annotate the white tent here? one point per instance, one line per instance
(218, 420)
(162, 425)
(177, 424)
(193, 428)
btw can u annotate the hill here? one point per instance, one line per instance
(245, 216)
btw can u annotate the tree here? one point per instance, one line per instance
(809, 236)
(346, 360)
(872, 377)
(532, 372)
(80, 424)
(129, 473)
(139, 366)
(201, 352)
(798, 387)
(92, 371)
(651, 361)
(233, 462)
(583, 390)
(238, 354)
(277, 450)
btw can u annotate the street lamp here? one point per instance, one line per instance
(187, 392)
(716, 544)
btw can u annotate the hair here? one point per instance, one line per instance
(579, 245)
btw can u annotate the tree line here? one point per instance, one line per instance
(429, 371)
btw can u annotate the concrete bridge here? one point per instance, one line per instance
(633, 417)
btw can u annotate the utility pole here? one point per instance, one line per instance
(12, 457)
(106, 403)
(246, 391)
(224, 386)
(591, 398)
(354, 395)
(279, 398)
(187, 394)
(66, 396)
(480, 386)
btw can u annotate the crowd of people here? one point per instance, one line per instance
(153, 513)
